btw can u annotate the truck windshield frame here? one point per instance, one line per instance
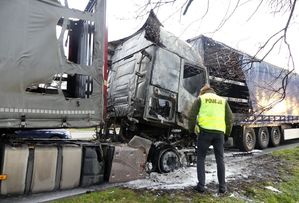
(193, 78)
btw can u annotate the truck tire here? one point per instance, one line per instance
(275, 136)
(168, 160)
(164, 157)
(262, 140)
(248, 140)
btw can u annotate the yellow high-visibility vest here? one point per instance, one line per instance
(211, 114)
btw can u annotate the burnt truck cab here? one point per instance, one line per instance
(154, 77)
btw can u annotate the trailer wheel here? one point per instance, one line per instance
(275, 136)
(168, 160)
(248, 140)
(263, 138)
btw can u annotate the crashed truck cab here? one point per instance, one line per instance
(154, 77)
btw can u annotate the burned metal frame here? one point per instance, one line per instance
(146, 93)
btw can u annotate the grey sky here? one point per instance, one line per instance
(238, 32)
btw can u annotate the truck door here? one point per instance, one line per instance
(126, 82)
(163, 88)
(192, 79)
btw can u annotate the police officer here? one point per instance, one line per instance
(212, 122)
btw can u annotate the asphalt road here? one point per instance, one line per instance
(285, 145)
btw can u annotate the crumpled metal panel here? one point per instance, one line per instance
(141, 143)
(127, 164)
(31, 54)
(180, 47)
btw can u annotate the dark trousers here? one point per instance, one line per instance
(205, 139)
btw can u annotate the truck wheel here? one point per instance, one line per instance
(263, 137)
(248, 140)
(275, 136)
(168, 161)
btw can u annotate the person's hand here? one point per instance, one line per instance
(196, 130)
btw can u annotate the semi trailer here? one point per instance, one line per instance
(263, 97)
(51, 75)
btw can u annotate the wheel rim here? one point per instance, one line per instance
(250, 141)
(169, 161)
(263, 136)
(276, 136)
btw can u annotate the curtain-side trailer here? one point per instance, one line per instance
(51, 75)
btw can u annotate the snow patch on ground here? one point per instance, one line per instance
(273, 189)
(236, 166)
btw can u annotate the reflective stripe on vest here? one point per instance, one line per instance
(211, 113)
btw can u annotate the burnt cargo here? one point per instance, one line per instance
(263, 97)
(252, 87)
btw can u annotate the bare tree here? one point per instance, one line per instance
(276, 6)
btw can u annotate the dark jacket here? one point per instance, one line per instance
(195, 109)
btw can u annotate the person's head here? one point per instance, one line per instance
(206, 89)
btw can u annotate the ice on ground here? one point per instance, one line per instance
(187, 176)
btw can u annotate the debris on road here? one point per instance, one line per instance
(236, 168)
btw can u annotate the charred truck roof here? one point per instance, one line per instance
(152, 33)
